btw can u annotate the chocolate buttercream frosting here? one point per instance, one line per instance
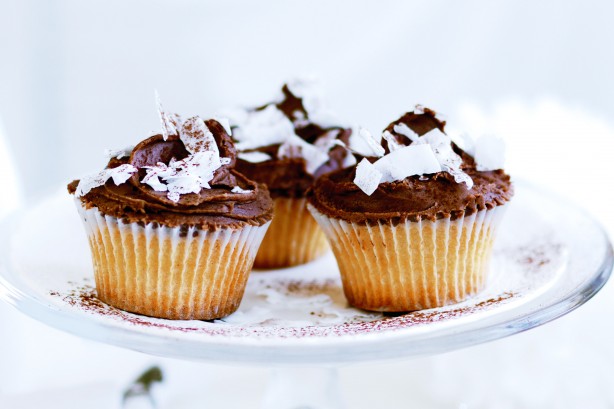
(427, 197)
(288, 177)
(210, 208)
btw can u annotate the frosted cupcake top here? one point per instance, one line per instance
(184, 176)
(415, 172)
(288, 143)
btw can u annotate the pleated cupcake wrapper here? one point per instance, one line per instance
(293, 238)
(169, 272)
(412, 265)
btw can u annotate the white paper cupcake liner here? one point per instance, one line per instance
(293, 238)
(412, 265)
(170, 272)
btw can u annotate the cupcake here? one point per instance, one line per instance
(412, 225)
(173, 227)
(286, 145)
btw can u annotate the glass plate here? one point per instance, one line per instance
(549, 258)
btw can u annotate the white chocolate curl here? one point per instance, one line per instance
(118, 153)
(405, 130)
(254, 157)
(367, 177)
(197, 137)
(225, 122)
(269, 126)
(309, 90)
(296, 147)
(237, 189)
(364, 139)
(193, 173)
(170, 122)
(119, 175)
(257, 129)
(450, 162)
(188, 175)
(393, 145)
(408, 161)
(431, 153)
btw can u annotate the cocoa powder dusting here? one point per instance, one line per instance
(84, 297)
(534, 258)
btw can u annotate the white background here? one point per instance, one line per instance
(77, 77)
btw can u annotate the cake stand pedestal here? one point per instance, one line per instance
(303, 387)
(550, 257)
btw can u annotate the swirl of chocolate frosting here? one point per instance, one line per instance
(414, 198)
(288, 177)
(212, 208)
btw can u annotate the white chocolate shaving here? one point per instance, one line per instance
(176, 120)
(368, 177)
(189, 175)
(170, 122)
(339, 142)
(193, 173)
(306, 88)
(152, 178)
(489, 153)
(408, 161)
(296, 147)
(325, 118)
(197, 137)
(392, 142)
(431, 153)
(460, 176)
(118, 153)
(119, 175)
(257, 129)
(254, 157)
(405, 130)
(450, 162)
(269, 126)
(310, 92)
(419, 109)
(365, 143)
(298, 115)
(174, 196)
(237, 189)
(225, 122)
(462, 140)
(328, 140)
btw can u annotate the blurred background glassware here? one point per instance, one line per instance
(11, 190)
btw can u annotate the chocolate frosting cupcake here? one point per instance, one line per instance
(417, 197)
(231, 201)
(173, 228)
(413, 224)
(293, 145)
(287, 145)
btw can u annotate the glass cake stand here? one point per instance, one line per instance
(550, 258)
